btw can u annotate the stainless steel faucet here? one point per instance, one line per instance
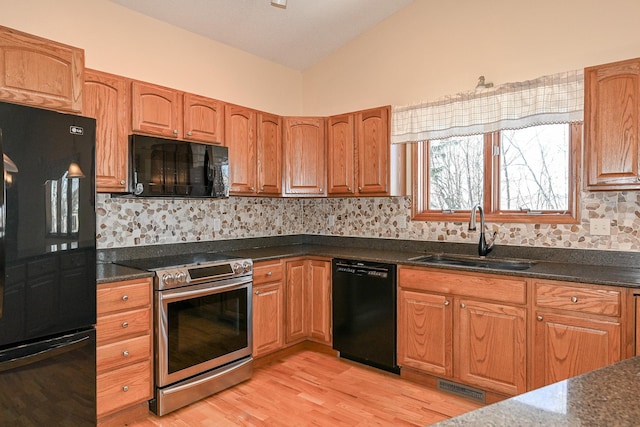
(483, 247)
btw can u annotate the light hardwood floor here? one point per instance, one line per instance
(311, 388)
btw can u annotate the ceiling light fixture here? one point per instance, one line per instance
(279, 3)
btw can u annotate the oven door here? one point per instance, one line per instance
(201, 327)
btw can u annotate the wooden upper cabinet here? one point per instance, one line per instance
(304, 157)
(341, 149)
(40, 72)
(240, 131)
(156, 110)
(358, 153)
(106, 98)
(372, 134)
(612, 126)
(269, 154)
(203, 119)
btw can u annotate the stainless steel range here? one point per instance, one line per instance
(202, 326)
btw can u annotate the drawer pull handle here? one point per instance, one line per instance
(125, 353)
(257, 292)
(270, 273)
(125, 297)
(125, 388)
(539, 318)
(462, 305)
(446, 303)
(125, 324)
(574, 299)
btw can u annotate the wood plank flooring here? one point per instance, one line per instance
(309, 388)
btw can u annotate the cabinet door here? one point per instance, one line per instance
(106, 99)
(372, 133)
(565, 346)
(425, 332)
(319, 276)
(203, 119)
(40, 72)
(297, 324)
(269, 153)
(156, 110)
(492, 346)
(341, 155)
(612, 125)
(268, 318)
(240, 131)
(304, 152)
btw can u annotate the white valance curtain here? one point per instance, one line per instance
(557, 98)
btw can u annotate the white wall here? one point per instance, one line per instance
(124, 42)
(438, 47)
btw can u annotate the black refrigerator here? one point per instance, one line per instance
(48, 268)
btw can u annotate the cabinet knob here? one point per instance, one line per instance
(257, 292)
(462, 305)
(125, 324)
(359, 188)
(262, 188)
(189, 133)
(252, 188)
(125, 388)
(175, 131)
(125, 353)
(122, 182)
(125, 297)
(270, 273)
(446, 303)
(349, 189)
(539, 318)
(320, 190)
(574, 299)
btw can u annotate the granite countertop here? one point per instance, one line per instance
(107, 272)
(604, 397)
(543, 269)
(596, 274)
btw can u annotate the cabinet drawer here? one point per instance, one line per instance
(123, 325)
(123, 387)
(586, 300)
(267, 272)
(123, 296)
(476, 285)
(125, 352)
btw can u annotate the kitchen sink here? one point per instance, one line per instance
(477, 262)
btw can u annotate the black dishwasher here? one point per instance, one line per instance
(364, 312)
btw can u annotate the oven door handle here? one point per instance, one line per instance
(189, 292)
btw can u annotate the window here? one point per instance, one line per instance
(522, 175)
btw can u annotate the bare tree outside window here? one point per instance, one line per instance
(456, 173)
(534, 168)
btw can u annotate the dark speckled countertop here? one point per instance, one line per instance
(604, 397)
(554, 265)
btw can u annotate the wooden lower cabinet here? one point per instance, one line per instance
(268, 307)
(308, 305)
(124, 345)
(450, 327)
(425, 332)
(492, 345)
(576, 329)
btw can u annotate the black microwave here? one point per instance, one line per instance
(169, 168)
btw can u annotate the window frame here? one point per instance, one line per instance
(491, 186)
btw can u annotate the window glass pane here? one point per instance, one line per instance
(534, 168)
(456, 172)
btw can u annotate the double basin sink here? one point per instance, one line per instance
(475, 262)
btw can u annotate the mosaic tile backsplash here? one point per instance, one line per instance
(124, 222)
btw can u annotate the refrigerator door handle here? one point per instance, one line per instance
(33, 353)
(3, 222)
